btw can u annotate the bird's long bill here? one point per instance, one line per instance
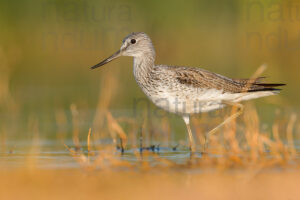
(107, 60)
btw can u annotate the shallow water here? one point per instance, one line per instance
(51, 154)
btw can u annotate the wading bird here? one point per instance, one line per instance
(186, 90)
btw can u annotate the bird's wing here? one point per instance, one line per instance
(199, 78)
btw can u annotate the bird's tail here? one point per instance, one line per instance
(256, 85)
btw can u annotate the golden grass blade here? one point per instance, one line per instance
(115, 127)
(89, 140)
(104, 100)
(34, 150)
(259, 71)
(89, 147)
(75, 123)
(3, 141)
(61, 122)
(69, 149)
(289, 132)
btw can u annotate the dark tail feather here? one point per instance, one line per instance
(270, 84)
(263, 89)
(257, 87)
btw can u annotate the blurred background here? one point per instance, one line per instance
(47, 47)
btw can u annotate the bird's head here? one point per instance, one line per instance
(135, 45)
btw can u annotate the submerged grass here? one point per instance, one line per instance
(225, 151)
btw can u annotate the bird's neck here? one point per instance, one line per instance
(142, 66)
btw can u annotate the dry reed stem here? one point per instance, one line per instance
(3, 141)
(230, 133)
(89, 143)
(33, 125)
(278, 147)
(257, 74)
(116, 128)
(259, 71)
(75, 125)
(61, 122)
(290, 137)
(132, 132)
(104, 160)
(89, 140)
(105, 98)
(70, 150)
(252, 132)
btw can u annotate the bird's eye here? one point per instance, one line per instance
(133, 41)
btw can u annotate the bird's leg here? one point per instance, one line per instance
(227, 120)
(122, 146)
(186, 119)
